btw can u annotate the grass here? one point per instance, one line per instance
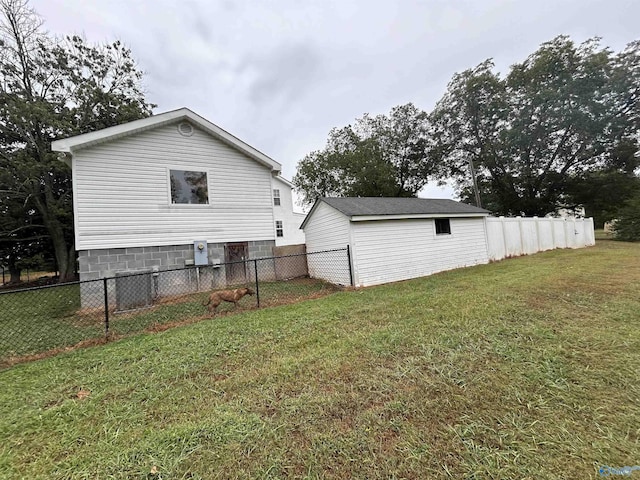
(525, 368)
(46, 320)
(600, 234)
(39, 320)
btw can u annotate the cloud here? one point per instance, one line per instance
(284, 74)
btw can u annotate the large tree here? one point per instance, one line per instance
(54, 88)
(534, 139)
(383, 155)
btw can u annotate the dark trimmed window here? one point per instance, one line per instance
(443, 226)
(279, 229)
(189, 187)
(276, 197)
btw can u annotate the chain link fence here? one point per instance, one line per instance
(42, 321)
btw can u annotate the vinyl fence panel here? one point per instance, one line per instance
(511, 237)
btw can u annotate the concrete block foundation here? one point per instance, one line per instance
(167, 264)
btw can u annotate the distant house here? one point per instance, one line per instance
(149, 192)
(394, 239)
(577, 212)
(290, 234)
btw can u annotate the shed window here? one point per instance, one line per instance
(188, 186)
(279, 229)
(443, 226)
(276, 196)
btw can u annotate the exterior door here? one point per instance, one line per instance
(235, 255)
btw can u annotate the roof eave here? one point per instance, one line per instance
(313, 209)
(368, 218)
(277, 176)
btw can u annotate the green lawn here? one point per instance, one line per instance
(46, 320)
(525, 368)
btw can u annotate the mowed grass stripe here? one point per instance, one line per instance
(526, 368)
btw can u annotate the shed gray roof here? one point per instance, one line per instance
(395, 208)
(356, 206)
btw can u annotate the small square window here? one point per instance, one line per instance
(189, 187)
(443, 226)
(276, 197)
(279, 229)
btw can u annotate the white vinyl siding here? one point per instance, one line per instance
(327, 229)
(121, 192)
(392, 250)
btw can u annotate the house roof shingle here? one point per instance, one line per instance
(357, 206)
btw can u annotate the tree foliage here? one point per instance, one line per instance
(54, 88)
(627, 223)
(604, 190)
(540, 136)
(383, 155)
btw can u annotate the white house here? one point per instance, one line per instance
(170, 190)
(394, 239)
(288, 231)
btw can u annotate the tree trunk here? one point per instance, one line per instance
(64, 253)
(71, 264)
(65, 256)
(14, 272)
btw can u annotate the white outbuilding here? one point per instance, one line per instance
(393, 239)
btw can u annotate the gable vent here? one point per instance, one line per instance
(185, 129)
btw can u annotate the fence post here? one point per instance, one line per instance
(350, 266)
(106, 307)
(504, 238)
(255, 270)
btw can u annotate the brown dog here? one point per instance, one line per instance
(232, 296)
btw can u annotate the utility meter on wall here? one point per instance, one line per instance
(200, 255)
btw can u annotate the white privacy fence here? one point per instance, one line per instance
(511, 237)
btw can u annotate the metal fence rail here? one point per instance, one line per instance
(48, 319)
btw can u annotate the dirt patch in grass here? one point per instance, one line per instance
(10, 361)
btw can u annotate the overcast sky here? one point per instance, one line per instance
(280, 74)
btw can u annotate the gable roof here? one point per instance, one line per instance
(387, 208)
(73, 144)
